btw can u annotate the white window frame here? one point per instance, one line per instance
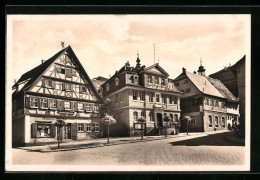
(134, 95)
(150, 80)
(156, 80)
(33, 102)
(96, 125)
(162, 82)
(95, 107)
(151, 116)
(82, 107)
(80, 127)
(44, 103)
(66, 105)
(67, 87)
(170, 99)
(151, 98)
(88, 107)
(210, 124)
(53, 102)
(142, 96)
(88, 127)
(135, 114)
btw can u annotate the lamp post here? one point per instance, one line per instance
(59, 123)
(187, 118)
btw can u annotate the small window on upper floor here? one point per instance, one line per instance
(116, 81)
(150, 80)
(62, 71)
(163, 82)
(156, 81)
(157, 98)
(134, 95)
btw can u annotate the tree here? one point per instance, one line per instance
(142, 121)
(106, 110)
(166, 119)
(108, 120)
(59, 123)
(187, 119)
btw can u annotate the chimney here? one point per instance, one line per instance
(194, 72)
(127, 64)
(43, 61)
(183, 69)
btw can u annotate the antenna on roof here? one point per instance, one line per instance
(62, 44)
(200, 62)
(154, 53)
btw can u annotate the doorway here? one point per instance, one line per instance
(159, 120)
(67, 131)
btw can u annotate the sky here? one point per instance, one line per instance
(104, 43)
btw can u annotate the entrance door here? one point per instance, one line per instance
(159, 120)
(67, 131)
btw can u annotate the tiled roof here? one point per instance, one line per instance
(203, 84)
(33, 74)
(222, 89)
(97, 83)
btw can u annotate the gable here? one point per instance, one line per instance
(155, 70)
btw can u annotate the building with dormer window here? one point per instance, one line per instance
(143, 91)
(57, 89)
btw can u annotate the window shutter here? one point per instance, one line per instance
(63, 86)
(72, 106)
(53, 84)
(67, 60)
(84, 106)
(59, 105)
(75, 106)
(53, 131)
(91, 107)
(27, 102)
(80, 89)
(73, 72)
(49, 103)
(58, 69)
(84, 127)
(39, 102)
(34, 130)
(74, 131)
(62, 106)
(43, 82)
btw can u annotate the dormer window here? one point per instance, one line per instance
(150, 79)
(107, 87)
(116, 81)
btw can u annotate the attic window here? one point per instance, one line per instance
(62, 71)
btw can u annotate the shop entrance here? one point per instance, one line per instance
(159, 120)
(67, 131)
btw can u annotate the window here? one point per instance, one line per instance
(67, 87)
(53, 103)
(80, 127)
(116, 81)
(186, 81)
(96, 127)
(83, 89)
(206, 101)
(88, 108)
(157, 98)
(163, 82)
(175, 100)
(170, 99)
(33, 102)
(80, 107)
(177, 84)
(164, 99)
(176, 118)
(192, 120)
(216, 121)
(171, 116)
(95, 107)
(151, 116)
(217, 104)
(150, 79)
(69, 73)
(150, 97)
(141, 96)
(49, 84)
(156, 81)
(134, 95)
(88, 127)
(43, 130)
(107, 87)
(223, 121)
(136, 79)
(67, 105)
(62, 71)
(135, 116)
(187, 90)
(211, 102)
(43, 103)
(210, 121)
(58, 85)
(143, 113)
(169, 86)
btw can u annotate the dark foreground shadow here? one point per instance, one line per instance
(221, 139)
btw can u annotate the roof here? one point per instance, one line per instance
(222, 89)
(98, 81)
(33, 74)
(36, 72)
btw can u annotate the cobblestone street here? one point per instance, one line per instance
(193, 149)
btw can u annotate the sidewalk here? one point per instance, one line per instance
(101, 142)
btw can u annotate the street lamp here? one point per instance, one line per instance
(187, 118)
(59, 123)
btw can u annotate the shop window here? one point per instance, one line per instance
(53, 103)
(80, 127)
(141, 96)
(150, 80)
(223, 121)
(150, 97)
(33, 102)
(192, 120)
(210, 121)
(157, 98)
(44, 103)
(43, 130)
(134, 95)
(88, 127)
(216, 121)
(135, 116)
(96, 127)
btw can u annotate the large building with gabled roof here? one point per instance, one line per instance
(139, 91)
(57, 89)
(207, 101)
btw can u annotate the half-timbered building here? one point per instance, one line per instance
(57, 89)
